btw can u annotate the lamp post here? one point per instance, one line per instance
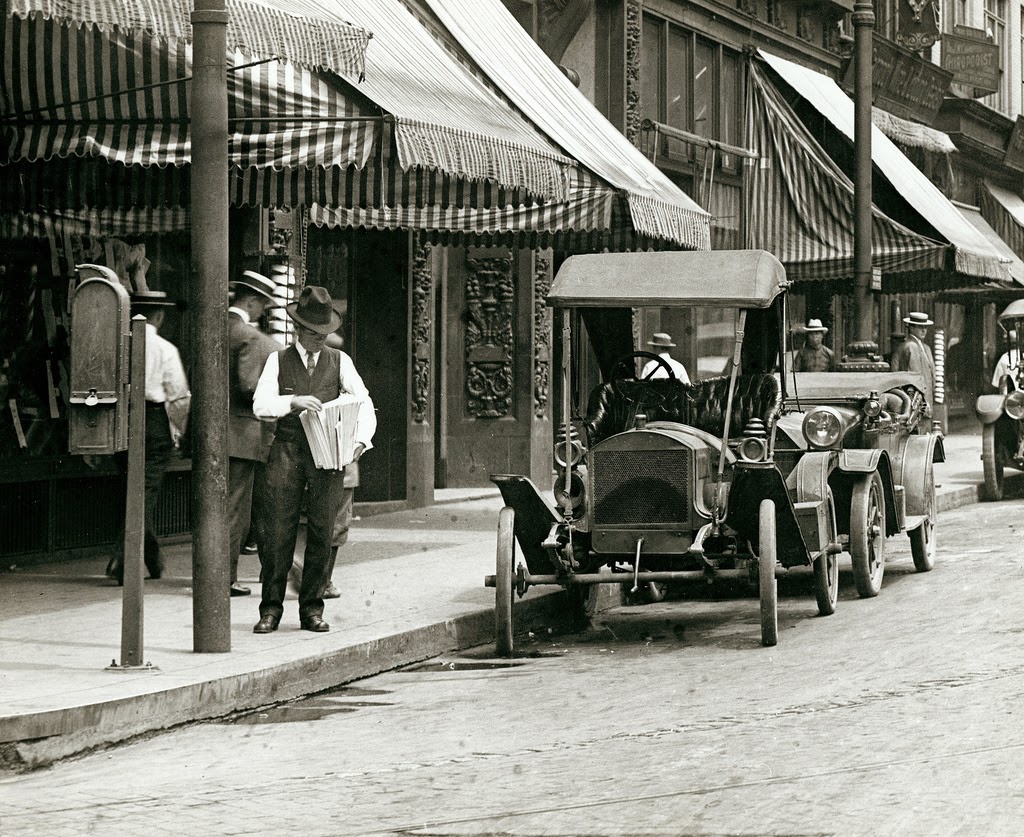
(211, 607)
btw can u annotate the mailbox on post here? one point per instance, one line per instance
(100, 316)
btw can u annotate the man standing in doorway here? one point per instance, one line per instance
(814, 356)
(303, 377)
(249, 439)
(913, 354)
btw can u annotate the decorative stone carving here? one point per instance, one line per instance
(748, 7)
(633, 113)
(489, 337)
(422, 299)
(541, 336)
(775, 17)
(832, 35)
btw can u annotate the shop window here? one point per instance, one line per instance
(690, 83)
(995, 28)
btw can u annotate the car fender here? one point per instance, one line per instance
(812, 473)
(856, 462)
(917, 456)
(989, 407)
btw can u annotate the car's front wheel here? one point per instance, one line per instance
(991, 463)
(867, 535)
(768, 588)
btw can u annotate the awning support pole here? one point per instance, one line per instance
(864, 315)
(211, 606)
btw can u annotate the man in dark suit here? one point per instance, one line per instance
(249, 439)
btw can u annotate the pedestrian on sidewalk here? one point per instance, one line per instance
(249, 439)
(814, 356)
(303, 377)
(349, 485)
(167, 405)
(914, 354)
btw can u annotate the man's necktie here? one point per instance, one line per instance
(310, 363)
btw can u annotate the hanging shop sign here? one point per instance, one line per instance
(903, 83)
(1014, 158)
(919, 24)
(973, 59)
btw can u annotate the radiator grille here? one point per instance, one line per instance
(641, 487)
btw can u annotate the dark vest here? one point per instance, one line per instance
(293, 379)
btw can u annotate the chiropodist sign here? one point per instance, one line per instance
(972, 59)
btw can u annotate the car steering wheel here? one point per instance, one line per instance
(625, 370)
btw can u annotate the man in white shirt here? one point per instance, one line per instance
(660, 344)
(167, 404)
(303, 377)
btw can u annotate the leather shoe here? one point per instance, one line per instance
(238, 590)
(314, 623)
(267, 624)
(330, 591)
(250, 549)
(115, 570)
(155, 566)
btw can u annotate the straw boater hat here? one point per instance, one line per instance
(815, 325)
(151, 299)
(315, 311)
(916, 318)
(661, 340)
(253, 281)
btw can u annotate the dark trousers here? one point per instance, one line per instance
(289, 472)
(241, 475)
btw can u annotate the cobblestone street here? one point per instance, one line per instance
(897, 715)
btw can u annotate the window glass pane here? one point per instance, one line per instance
(678, 79)
(650, 70)
(704, 90)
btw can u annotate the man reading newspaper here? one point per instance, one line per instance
(304, 377)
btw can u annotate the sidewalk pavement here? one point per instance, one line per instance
(411, 585)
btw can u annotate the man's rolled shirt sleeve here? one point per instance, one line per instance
(267, 402)
(352, 383)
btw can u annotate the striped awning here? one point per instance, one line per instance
(518, 67)
(1004, 210)
(803, 204)
(96, 223)
(1015, 266)
(254, 29)
(592, 220)
(973, 256)
(296, 136)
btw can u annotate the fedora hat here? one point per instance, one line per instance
(917, 318)
(815, 325)
(315, 311)
(151, 299)
(258, 283)
(661, 340)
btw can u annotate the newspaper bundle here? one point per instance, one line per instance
(331, 433)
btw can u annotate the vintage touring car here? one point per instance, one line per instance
(1002, 414)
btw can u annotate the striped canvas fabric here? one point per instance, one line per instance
(802, 207)
(1004, 210)
(100, 224)
(253, 29)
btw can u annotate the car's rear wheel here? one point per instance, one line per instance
(867, 535)
(826, 568)
(504, 586)
(922, 539)
(991, 463)
(768, 589)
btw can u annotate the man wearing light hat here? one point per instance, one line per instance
(814, 356)
(303, 377)
(913, 354)
(249, 439)
(660, 344)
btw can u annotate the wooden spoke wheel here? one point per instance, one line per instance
(826, 568)
(922, 539)
(767, 586)
(505, 586)
(992, 463)
(867, 535)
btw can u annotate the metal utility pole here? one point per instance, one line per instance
(211, 604)
(863, 25)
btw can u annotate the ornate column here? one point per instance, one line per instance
(420, 470)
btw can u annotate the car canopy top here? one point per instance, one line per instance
(1013, 311)
(815, 387)
(726, 278)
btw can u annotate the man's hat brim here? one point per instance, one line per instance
(249, 287)
(320, 328)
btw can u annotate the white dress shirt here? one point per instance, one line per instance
(655, 370)
(269, 403)
(166, 382)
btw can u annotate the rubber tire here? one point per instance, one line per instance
(582, 604)
(505, 585)
(867, 554)
(768, 590)
(991, 463)
(922, 539)
(826, 569)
